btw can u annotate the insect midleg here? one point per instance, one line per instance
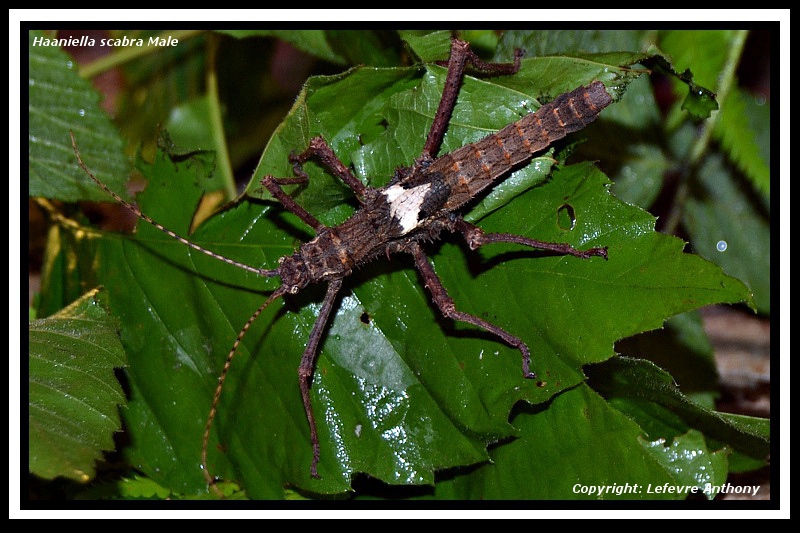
(448, 308)
(305, 371)
(476, 238)
(321, 150)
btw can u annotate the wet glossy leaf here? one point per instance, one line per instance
(691, 462)
(700, 102)
(73, 394)
(566, 451)
(637, 387)
(60, 101)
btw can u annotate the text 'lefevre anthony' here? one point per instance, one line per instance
(708, 489)
(85, 40)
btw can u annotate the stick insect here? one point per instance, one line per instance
(419, 203)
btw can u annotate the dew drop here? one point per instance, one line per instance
(69, 64)
(722, 246)
(82, 112)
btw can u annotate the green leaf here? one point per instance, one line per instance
(428, 46)
(703, 52)
(743, 129)
(60, 101)
(140, 487)
(700, 102)
(574, 448)
(73, 395)
(555, 42)
(638, 386)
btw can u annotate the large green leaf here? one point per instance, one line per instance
(73, 394)
(565, 452)
(399, 393)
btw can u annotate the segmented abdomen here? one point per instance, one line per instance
(473, 167)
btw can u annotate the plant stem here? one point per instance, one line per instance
(727, 80)
(123, 55)
(215, 113)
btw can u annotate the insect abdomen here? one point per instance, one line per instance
(473, 167)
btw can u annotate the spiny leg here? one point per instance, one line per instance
(320, 149)
(476, 238)
(460, 56)
(448, 308)
(273, 185)
(218, 392)
(317, 148)
(305, 371)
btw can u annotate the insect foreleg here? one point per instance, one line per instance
(317, 148)
(273, 185)
(448, 308)
(305, 371)
(476, 238)
(320, 149)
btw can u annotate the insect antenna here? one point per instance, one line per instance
(135, 210)
(280, 291)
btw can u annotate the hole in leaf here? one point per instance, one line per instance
(566, 217)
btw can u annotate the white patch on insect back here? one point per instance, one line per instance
(404, 204)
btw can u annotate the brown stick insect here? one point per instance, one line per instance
(417, 206)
